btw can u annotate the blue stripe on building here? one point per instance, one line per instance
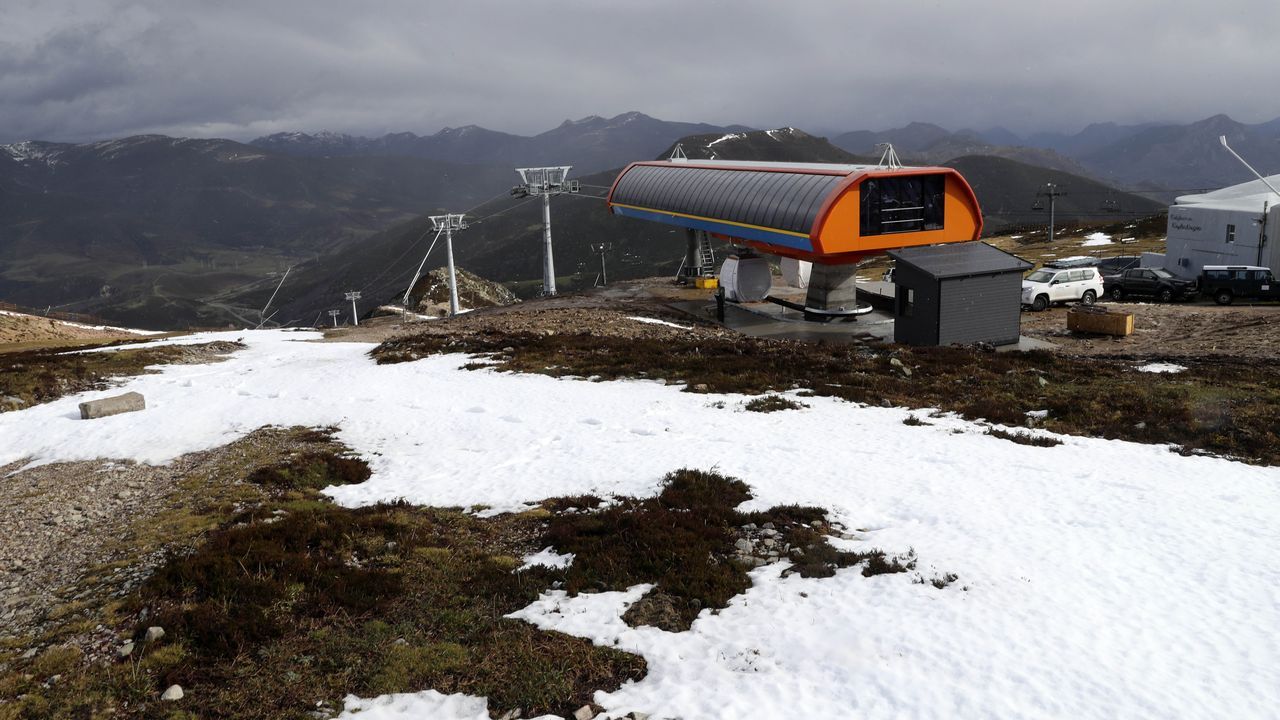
(746, 233)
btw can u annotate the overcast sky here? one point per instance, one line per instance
(76, 70)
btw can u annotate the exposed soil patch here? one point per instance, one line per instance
(39, 376)
(276, 603)
(19, 330)
(607, 312)
(1177, 330)
(325, 602)
(273, 599)
(77, 537)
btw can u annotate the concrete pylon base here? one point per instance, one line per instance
(832, 288)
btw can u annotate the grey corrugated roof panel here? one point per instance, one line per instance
(961, 259)
(758, 197)
(799, 166)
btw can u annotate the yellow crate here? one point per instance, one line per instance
(706, 283)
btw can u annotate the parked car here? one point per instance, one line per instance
(1049, 285)
(1118, 264)
(1078, 261)
(1225, 283)
(1148, 282)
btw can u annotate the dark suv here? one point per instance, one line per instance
(1225, 283)
(1148, 282)
(1118, 264)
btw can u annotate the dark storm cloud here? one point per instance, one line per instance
(76, 69)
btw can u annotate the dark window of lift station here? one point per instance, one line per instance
(902, 204)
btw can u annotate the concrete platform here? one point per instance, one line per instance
(770, 320)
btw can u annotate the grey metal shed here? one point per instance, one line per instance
(957, 293)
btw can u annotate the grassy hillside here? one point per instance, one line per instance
(1006, 190)
(144, 230)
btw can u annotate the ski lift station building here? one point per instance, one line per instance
(1232, 226)
(829, 215)
(825, 214)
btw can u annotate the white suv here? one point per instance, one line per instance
(1050, 285)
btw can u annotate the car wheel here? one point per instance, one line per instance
(1041, 303)
(1088, 297)
(1166, 295)
(1117, 294)
(1222, 297)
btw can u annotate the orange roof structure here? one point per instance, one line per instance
(829, 214)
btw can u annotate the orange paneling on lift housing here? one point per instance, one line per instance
(829, 214)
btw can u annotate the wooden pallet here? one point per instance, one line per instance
(1097, 319)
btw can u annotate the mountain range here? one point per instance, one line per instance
(590, 144)
(1146, 157)
(158, 231)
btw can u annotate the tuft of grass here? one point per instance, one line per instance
(232, 594)
(56, 661)
(312, 470)
(1024, 438)
(406, 666)
(573, 503)
(914, 421)
(772, 403)
(276, 611)
(683, 542)
(942, 581)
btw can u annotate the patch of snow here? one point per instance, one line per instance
(1038, 414)
(1015, 237)
(1159, 367)
(730, 136)
(32, 151)
(1081, 593)
(656, 321)
(547, 557)
(425, 704)
(1095, 239)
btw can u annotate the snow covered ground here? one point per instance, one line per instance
(1096, 578)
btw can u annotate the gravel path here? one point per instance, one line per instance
(59, 521)
(76, 536)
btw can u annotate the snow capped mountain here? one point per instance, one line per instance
(590, 143)
(33, 151)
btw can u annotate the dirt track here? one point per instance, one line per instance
(602, 312)
(26, 331)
